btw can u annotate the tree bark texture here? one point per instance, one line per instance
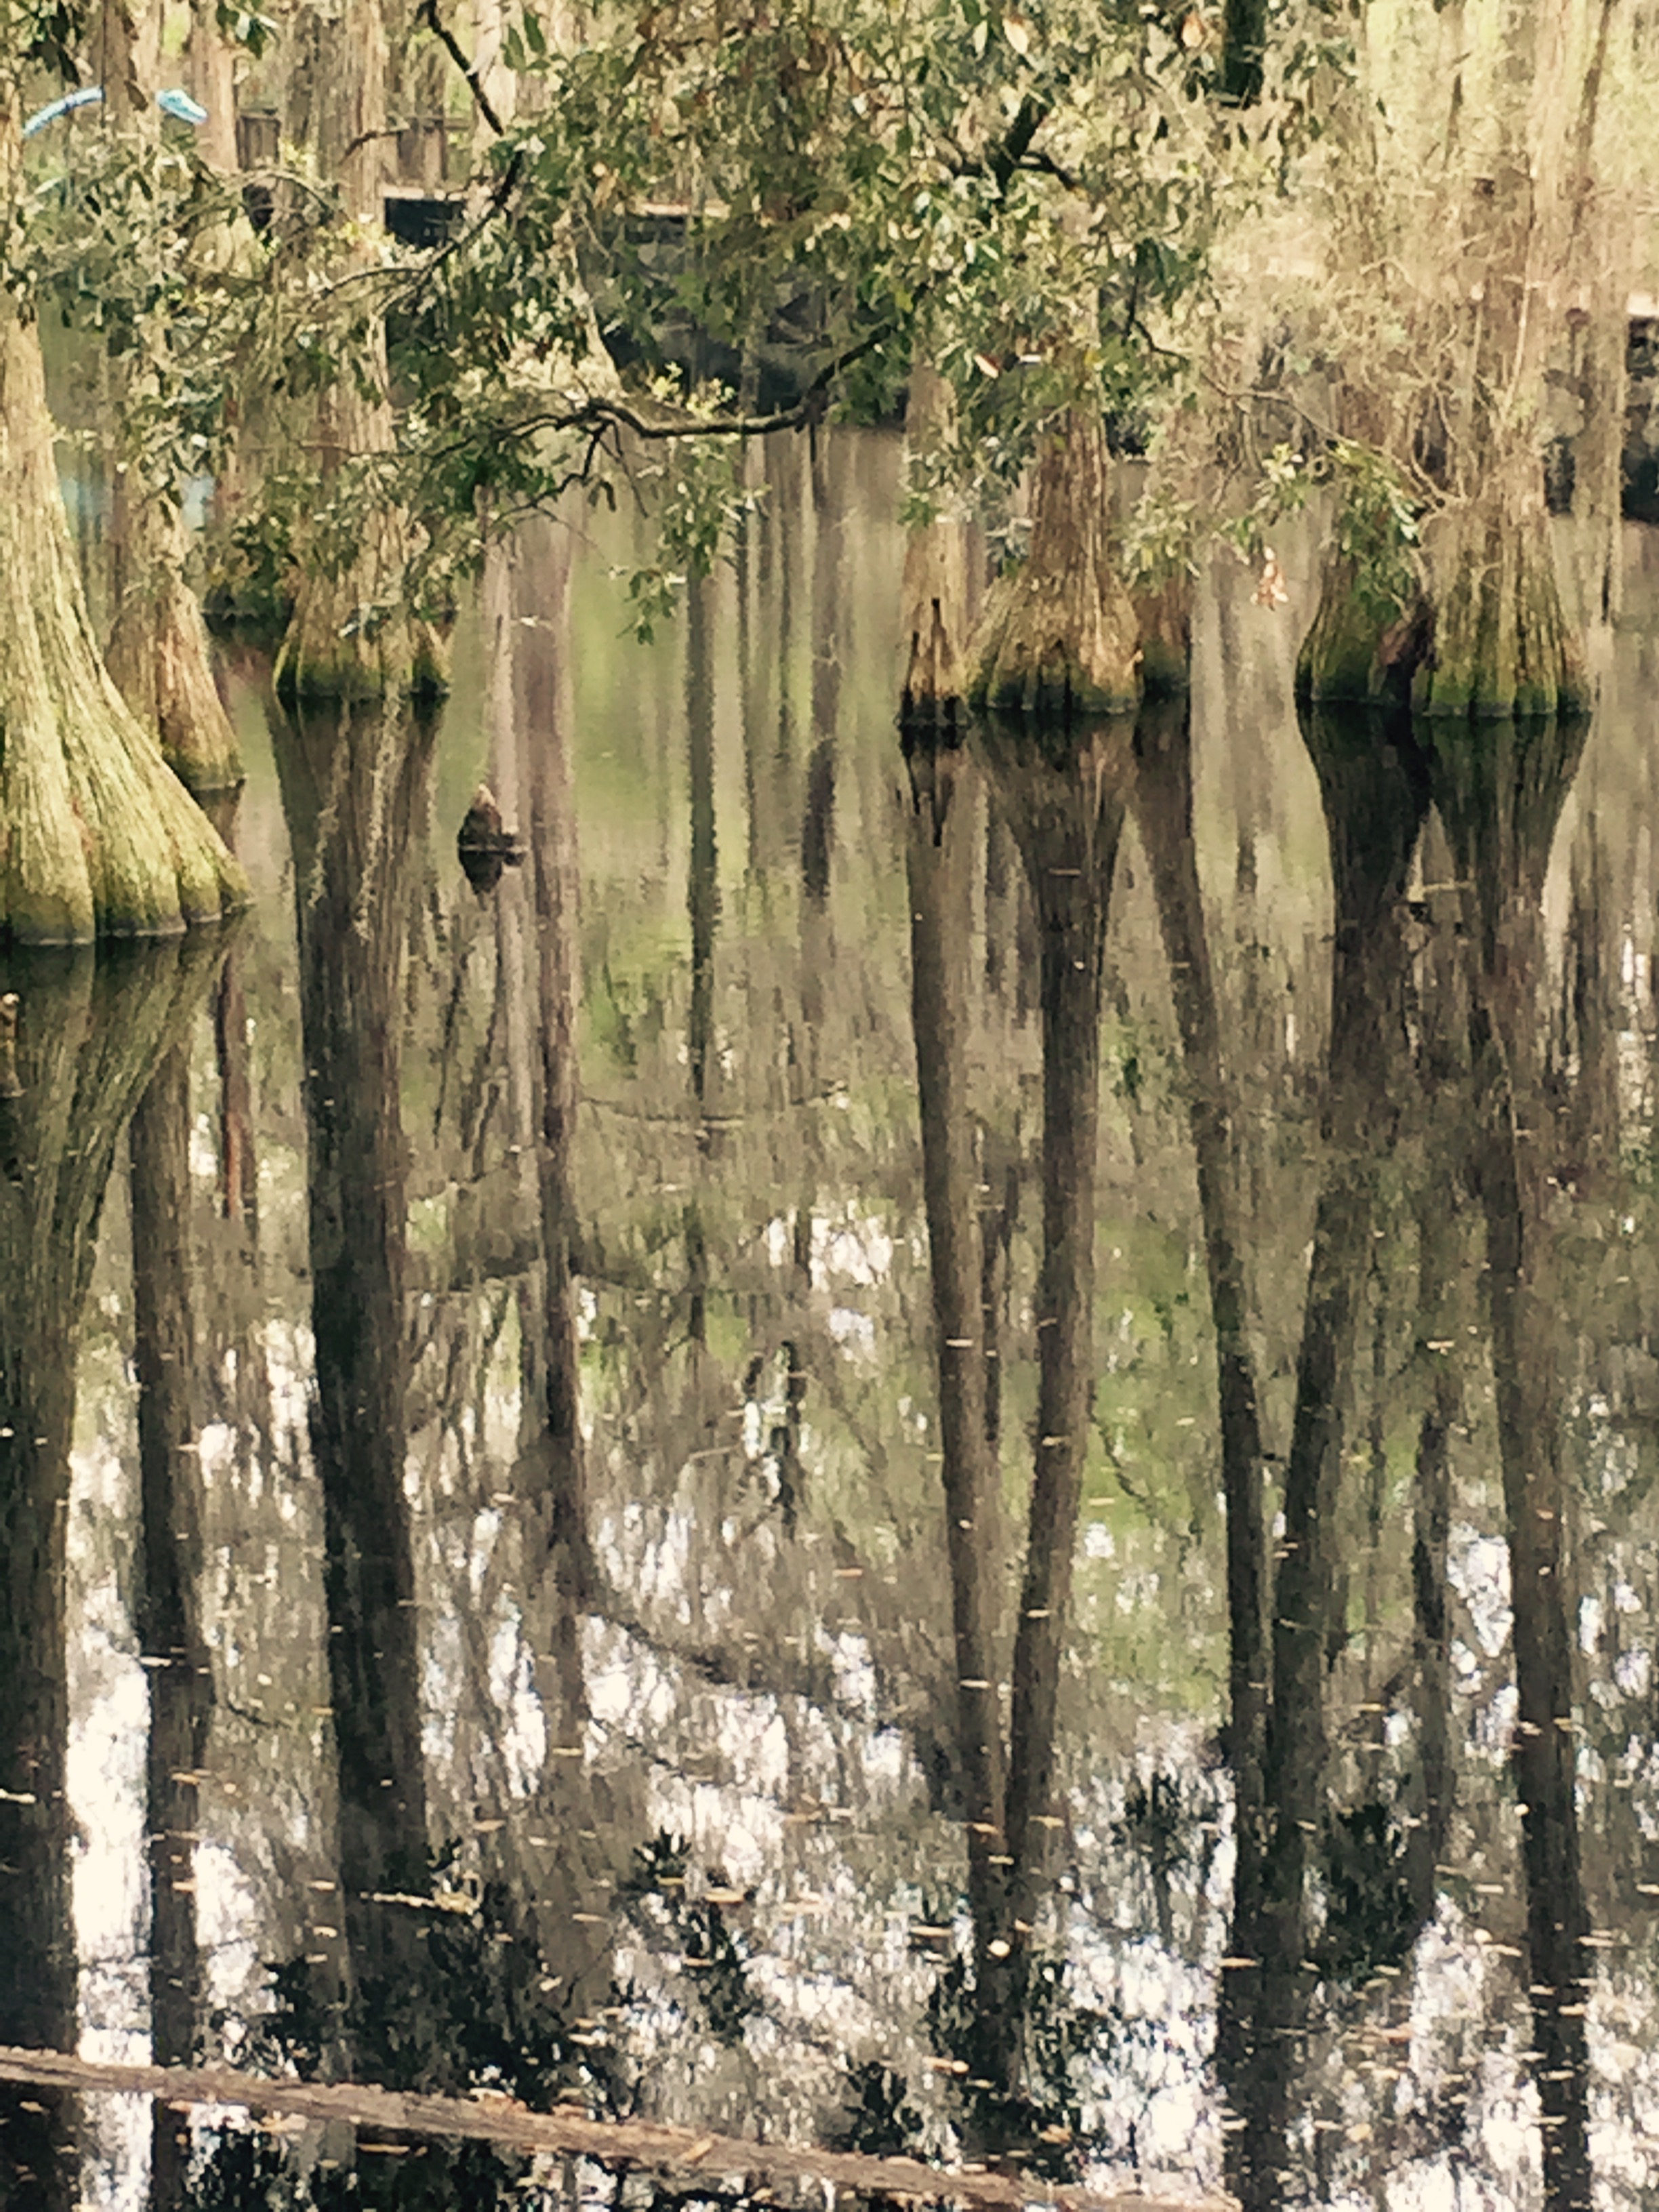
(1375, 799)
(1163, 808)
(352, 636)
(158, 651)
(167, 1612)
(97, 837)
(1501, 802)
(546, 711)
(1065, 799)
(1058, 640)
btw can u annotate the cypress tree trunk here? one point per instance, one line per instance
(1065, 801)
(1163, 807)
(159, 654)
(1059, 639)
(158, 648)
(351, 635)
(1501, 803)
(1374, 801)
(1502, 642)
(167, 1608)
(545, 710)
(1490, 308)
(935, 586)
(97, 835)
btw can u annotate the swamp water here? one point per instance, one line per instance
(481, 1609)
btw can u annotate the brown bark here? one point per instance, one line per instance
(547, 717)
(210, 75)
(89, 1036)
(352, 793)
(1501, 802)
(1163, 807)
(1059, 639)
(158, 651)
(351, 635)
(1374, 800)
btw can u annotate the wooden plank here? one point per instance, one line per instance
(617, 2142)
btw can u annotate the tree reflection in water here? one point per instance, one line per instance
(755, 1629)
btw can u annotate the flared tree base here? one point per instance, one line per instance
(97, 837)
(332, 652)
(1058, 640)
(160, 657)
(1502, 643)
(1489, 637)
(1164, 618)
(1357, 654)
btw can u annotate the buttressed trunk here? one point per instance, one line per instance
(1496, 640)
(158, 647)
(1059, 639)
(97, 837)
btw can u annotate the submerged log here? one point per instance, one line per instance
(626, 2143)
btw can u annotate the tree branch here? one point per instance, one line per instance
(445, 37)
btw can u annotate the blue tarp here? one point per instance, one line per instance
(174, 102)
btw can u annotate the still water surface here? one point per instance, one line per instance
(583, 1517)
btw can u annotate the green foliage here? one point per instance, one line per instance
(244, 27)
(1029, 199)
(1377, 518)
(120, 241)
(46, 35)
(698, 503)
(1376, 527)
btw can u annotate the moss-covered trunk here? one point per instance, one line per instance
(1059, 639)
(97, 835)
(1502, 643)
(159, 654)
(1489, 306)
